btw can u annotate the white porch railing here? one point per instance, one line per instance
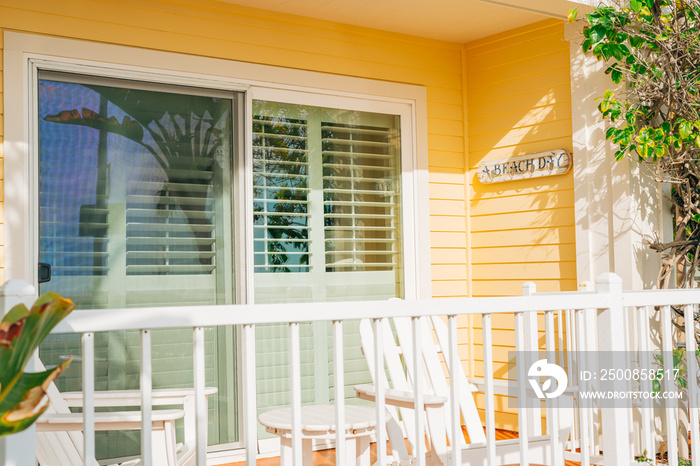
(574, 322)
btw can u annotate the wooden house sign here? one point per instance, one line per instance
(522, 167)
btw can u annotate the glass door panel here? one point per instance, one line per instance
(135, 211)
(327, 227)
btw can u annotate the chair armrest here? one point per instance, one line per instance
(113, 398)
(400, 398)
(118, 420)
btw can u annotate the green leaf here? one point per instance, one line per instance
(572, 15)
(586, 45)
(21, 333)
(635, 5)
(26, 400)
(616, 76)
(636, 41)
(598, 33)
(684, 129)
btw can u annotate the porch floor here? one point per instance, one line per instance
(327, 457)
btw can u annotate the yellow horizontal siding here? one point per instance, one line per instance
(526, 100)
(532, 147)
(532, 254)
(554, 217)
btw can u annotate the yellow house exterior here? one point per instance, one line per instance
(499, 96)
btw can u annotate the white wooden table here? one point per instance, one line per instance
(318, 422)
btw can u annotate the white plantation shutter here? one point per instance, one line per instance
(360, 192)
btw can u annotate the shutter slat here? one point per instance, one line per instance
(359, 191)
(368, 155)
(166, 200)
(189, 214)
(159, 255)
(359, 204)
(383, 132)
(357, 142)
(359, 216)
(357, 167)
(168, 227)
(359, 179)
(157, 186)
(169, 269)
(165, 241)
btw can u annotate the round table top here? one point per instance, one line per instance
(321, 418)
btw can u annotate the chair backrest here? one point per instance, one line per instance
(398, 357)
(58, 448)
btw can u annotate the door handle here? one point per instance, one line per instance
(44, 272)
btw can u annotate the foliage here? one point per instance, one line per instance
(652, 52)
(23, 395)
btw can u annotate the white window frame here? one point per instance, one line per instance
(25, 54)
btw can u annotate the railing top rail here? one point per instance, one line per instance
(246, 314)
(676, 297)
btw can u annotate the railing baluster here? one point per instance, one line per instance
(418, 389)
(552, 403)
(146, 384)
(200, 402)
(339, 381)
(489, 405)
(379, 379)
(250, 415)
(572, 365)
(560, 334)
(531, 334)
(669, 385)
(691, 371)
(584, 410)
(522, 394)
(88, 344)
(454, 369)
(645, 362)
(295, 375)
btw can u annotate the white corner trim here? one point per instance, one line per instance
(25, 53)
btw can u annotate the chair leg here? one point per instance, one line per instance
(362, 451)
(170, 443)
(286, 457)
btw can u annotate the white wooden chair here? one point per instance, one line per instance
(399, 365)
(59, 438)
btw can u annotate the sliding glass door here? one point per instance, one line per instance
(135, 210)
